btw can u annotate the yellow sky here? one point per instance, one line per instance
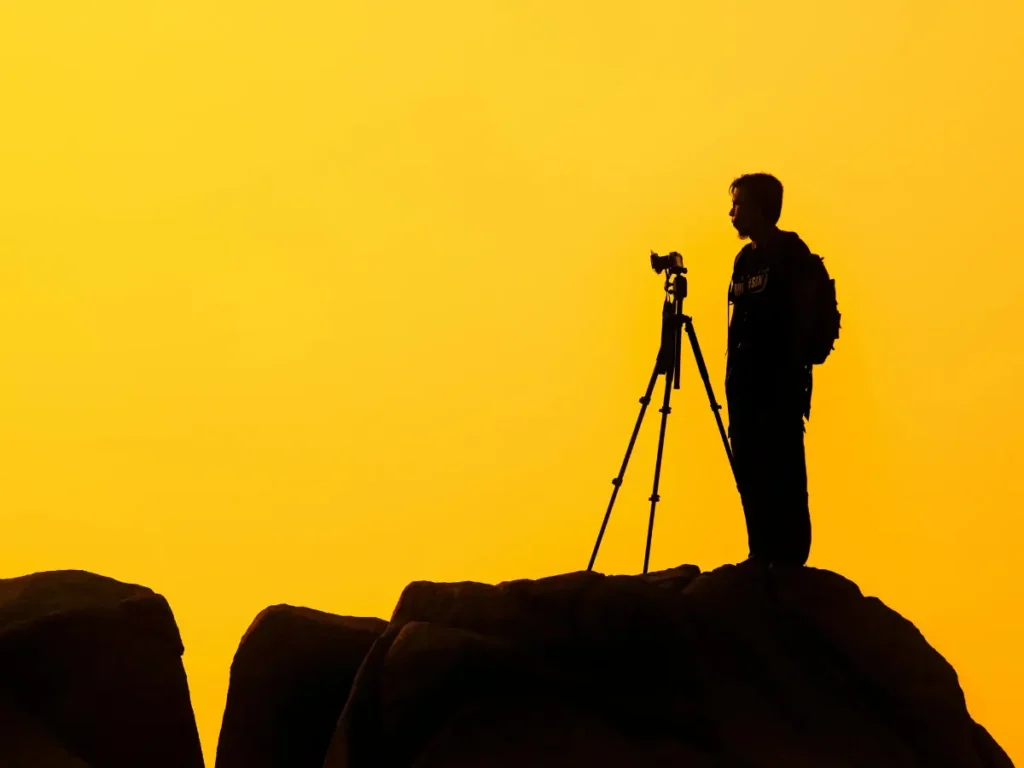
(302, 302)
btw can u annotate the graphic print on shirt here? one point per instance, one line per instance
(756, 283)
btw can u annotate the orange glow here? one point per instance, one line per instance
(302, 302)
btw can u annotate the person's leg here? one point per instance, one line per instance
(786, 483)
(748, 459)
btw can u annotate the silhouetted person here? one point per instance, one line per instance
(768, 376)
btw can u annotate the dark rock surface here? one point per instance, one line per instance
(91, 676)
(26, 743)
(735, 667)
(290, 679)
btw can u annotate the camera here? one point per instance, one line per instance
(673, 262)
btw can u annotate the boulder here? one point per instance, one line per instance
(91, 674)
(737, 666)
(290, 679)
(26, 743)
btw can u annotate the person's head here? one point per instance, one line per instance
(756, 204)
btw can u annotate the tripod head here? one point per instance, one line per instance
(675, 281)
(672, 317)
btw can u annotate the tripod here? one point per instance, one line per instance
(672, 322)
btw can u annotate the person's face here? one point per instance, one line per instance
(744, 214)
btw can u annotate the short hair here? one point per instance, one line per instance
(765, 191)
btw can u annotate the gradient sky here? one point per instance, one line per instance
(302, 302)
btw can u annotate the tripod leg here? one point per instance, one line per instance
(617, 482)
(715, 407)
(665, 411)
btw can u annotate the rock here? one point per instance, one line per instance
(91, 669)
(290, 679)
(25, 743)
(738, 666)
(549, 734)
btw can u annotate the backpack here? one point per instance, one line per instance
(824, 322)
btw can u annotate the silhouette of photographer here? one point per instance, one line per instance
(784, 321)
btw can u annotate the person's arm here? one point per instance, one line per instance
(801, 312)
(790, 340)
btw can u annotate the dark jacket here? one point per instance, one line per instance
(768, 292)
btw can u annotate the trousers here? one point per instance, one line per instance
(771, 474)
